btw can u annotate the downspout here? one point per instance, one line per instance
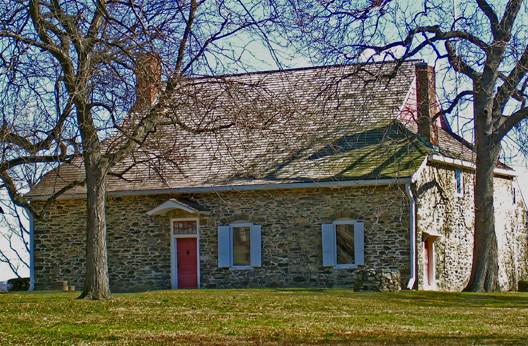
(412, 230)
(31, 252)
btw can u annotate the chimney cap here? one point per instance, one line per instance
(422, 63)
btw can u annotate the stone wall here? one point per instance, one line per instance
(441, 211)
(140, 252)
(138, 245)
(380, 280)
(510, 225)
(59, 243)
(291, 234)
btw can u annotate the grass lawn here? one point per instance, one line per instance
(265, 317)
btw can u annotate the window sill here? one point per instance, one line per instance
(240, 267)
(346, 266)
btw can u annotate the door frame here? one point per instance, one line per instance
(174, 250)
(430, 263)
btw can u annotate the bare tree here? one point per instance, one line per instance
(14, 234)
(67, 72)
(483, 44)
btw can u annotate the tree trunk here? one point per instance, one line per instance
(96, 283)
(485, 269)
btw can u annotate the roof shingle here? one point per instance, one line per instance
(305, 125)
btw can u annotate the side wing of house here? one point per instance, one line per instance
(444, 190)
(445, 226)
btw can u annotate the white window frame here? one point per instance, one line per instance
(174, 249)
(225, 245)
(329, 242)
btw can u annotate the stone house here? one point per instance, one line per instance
(330, 177)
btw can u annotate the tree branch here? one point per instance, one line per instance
(504, 28)
(61, 54)
(95, 26)
(453, 104)
(13, 193)
(439, 35)
(45, 144)
(456, 61)
(509, 87)
(488, 11)
(510, 122)
(181, 51)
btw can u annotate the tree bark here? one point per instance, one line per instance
(485, 269)
(96, 282)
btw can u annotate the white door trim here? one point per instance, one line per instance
(174, 249)
(431, 286)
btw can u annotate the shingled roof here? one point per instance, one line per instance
(324, 124)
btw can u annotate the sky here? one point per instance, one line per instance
(5, 271)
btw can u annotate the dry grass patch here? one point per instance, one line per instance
(265, 317)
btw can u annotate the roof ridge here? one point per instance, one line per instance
(305, 68)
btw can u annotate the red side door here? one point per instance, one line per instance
(187, 263)
(427, 268)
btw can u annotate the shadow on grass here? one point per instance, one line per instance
(317, 290)
(465, 299)
(374, 339)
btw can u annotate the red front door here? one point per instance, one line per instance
(187, 263)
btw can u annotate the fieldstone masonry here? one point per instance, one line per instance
(442, 212)
(381, 280)
(139, 245)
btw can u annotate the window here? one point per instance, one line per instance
(459, 182)
(184, 227)
(343, 243)
(239, 245)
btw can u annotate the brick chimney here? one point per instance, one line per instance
(148, 80)
(426, 103)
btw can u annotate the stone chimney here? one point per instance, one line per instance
(148, 80)
(426, 103)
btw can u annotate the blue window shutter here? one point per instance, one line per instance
(256, 245)
(359, 243)
(329, 245)
(224, 256)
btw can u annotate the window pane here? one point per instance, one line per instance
(458, 177)
(345, 244)
(241, 247)
(185, 227)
